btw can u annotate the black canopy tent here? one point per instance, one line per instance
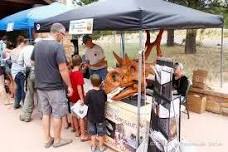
(139, 15)
(124, 15)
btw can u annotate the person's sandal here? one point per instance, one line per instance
(84, 139)
(7, 103)
(73, 130)
(49, 143)
(62, 142)
(67, 126)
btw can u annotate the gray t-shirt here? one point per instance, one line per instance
(48, 54)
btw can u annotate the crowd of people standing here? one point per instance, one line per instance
(42, 71)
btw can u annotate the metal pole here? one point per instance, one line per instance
(139, 85)
(122, 44)
(30, 34)
(221, 60)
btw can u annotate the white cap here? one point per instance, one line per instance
(176, 65)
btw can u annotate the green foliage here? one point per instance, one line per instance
(197, 4)
(97, 34)
(220, 11)
(212, 6)
(84, 2)
(210, 56)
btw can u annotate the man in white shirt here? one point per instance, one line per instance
(25, 60)
(95, 58)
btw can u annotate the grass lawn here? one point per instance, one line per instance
(225, 15)
(205, 58)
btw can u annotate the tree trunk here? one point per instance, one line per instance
(190, 41)
(170, 37)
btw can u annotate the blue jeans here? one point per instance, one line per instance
(97, 128)
(101, 72)
(20, 93)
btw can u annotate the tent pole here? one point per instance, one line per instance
(122, 44)
(139, 85)
(221, 59)
(30, 34)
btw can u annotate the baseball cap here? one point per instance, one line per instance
(85, 38)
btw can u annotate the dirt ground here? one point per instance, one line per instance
(201, 133)
(17, 136)
(205, 132)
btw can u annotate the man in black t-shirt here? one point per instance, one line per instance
(52, 75)
(96, 99)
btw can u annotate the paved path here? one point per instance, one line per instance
(17, 136)
(205, 132)
(201, 133)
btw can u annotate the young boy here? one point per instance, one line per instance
(77, 82)
(96, 99)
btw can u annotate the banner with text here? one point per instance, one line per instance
(83, 26)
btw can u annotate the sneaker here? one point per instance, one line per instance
(62, 142)
(102, 149)
(93, 149)
(16, 107)
(49, 143)
(24, 119)
(28, 120)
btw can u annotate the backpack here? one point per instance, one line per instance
(2, 48)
